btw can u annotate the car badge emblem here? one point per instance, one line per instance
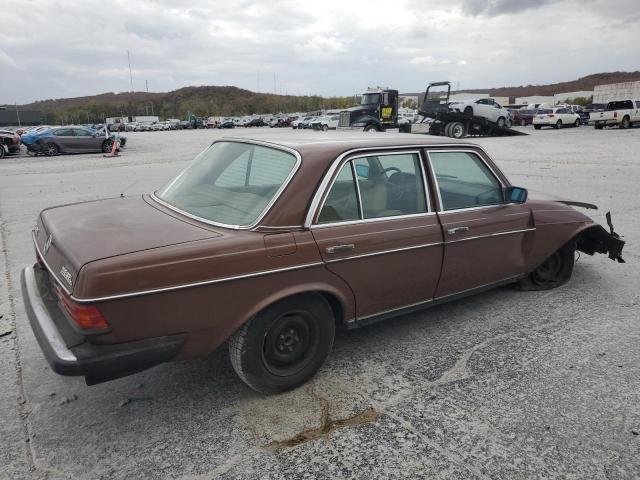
(66, 275)
(48, 244)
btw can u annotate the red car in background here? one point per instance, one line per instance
(9, 142)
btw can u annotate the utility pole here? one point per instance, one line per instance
(258, 74)
(147, 84)
(275, 90)
(130, 74)
(18, 114)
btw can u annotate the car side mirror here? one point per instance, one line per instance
(516, 194)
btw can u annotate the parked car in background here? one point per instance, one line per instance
(306, 122)
(9, 142)
(256, 122)
(73, 139)
(227, 123)
(555, 117)
(268, 255)
(484, 107)
(524, 116)
(621, 113)
(326, 122)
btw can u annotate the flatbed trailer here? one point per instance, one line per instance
(438, 119)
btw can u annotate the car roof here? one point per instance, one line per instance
(334, 143)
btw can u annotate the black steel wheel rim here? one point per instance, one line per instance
(290, 344)
(550, 269)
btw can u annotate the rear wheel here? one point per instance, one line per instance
(284, 345)
(553, 272)
(457, 130)
(626, 123)
(576, 123)
(50, 149)
(558, 124)
(446, 131)
(598, 126)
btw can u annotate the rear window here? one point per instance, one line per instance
(230, 183)
(545, 111)
(620, 105)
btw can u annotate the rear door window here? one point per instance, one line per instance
(341, 203)
(464, 181)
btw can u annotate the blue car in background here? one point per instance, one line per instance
(70, 139)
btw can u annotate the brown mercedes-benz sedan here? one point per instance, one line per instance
(270, 244)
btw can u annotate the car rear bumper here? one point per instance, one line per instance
(75, 355)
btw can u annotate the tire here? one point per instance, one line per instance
(457, 130)
(371, 128)
(508, 123)
(554, 271)
(537, 127)
(50, 150)
(626, 123)
(283, 346)
(468, 111)
(576, 123)
(325, 128)
(558, 124)
(501, 122)
(107, 145)
(446, 131)
(598, 126)
(2, 152)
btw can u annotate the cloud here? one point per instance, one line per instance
(334, 48)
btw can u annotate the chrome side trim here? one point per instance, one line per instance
(435, 180)
(510, 232)
(322, 187)
(275, 198)
(46, 264)
(384, 312)
(384, 252)
(195, 284)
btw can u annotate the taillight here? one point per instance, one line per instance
(551, 115)
(86, 317)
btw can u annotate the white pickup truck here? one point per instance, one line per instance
(623, 113)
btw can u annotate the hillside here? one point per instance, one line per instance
(203, 101)
(584, 83)
(227, 100)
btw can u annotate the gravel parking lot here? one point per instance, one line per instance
(504, 385)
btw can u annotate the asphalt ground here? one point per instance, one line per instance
(502, 385)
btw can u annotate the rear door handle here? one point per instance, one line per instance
(340, 248)
(453, 231)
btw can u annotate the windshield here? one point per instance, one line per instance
(230, 183)
(370, 99)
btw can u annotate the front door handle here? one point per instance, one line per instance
(340, 248)
(453, 231)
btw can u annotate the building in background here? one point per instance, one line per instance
(9, 117)
(535, 99)
(616, 91)
(568, 96)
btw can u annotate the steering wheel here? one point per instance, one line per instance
(391, 169)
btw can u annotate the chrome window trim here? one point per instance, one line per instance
(497, 234)
(370, 220)
(320, 191)
(194, 284)
(275, 198)
(384, 252)
(343, 162)
(47, 266)
(435, 181)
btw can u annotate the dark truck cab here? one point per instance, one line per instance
(378, 110)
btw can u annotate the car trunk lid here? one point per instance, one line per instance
(70, 236)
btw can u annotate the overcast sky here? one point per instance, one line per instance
(58, 48)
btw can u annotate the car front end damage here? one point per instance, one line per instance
(596, 239)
